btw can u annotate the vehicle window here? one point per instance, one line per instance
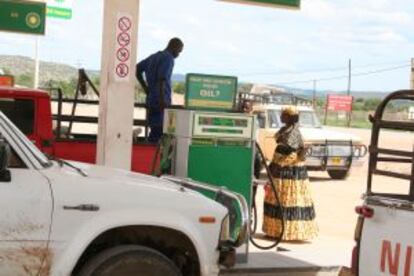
(14, 159)
(308, 119)
(20, 112)
(274, 118)
(261, 118)
(18, 135)
(15, 162)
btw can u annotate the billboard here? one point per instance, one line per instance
(339, 103)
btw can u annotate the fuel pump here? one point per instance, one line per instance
(211, 145)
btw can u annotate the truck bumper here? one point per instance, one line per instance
(323, 163)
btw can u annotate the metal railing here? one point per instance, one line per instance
(378, 154)
(281, 98)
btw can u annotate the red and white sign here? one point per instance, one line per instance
(122, 70)
(339, 103)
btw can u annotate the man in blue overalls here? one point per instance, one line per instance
(157, 69)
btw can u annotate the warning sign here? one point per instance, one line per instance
(122, 70)
(122, 54)
(339, 103)
(124, 23)
(124, 39)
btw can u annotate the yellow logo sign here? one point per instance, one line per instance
(33, 20)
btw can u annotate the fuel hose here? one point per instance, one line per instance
(254, 209)
(163, 149)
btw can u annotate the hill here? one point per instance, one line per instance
(19, 65)
(23, 67)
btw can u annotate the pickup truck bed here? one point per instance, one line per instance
(30, 110)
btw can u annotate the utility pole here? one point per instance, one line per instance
(349, 90)
(314, 95)
(412, 74)
(349, 77)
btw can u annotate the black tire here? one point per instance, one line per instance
(129, 260)
(338, 174)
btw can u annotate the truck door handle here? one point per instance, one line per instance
(83, 207)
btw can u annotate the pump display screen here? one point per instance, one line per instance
(217, 121)
(223, 125)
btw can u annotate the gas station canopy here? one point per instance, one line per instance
(290, 4)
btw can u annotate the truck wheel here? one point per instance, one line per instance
(129, 260)
(338, 174)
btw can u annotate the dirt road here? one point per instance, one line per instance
(335, 202)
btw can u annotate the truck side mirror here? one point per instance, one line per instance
(4, 161)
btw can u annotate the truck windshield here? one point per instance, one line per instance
(306, 119)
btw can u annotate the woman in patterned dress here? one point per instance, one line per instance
(291, 181)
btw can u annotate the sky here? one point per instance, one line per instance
(255, 44)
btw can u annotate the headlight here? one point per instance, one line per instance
(225, 229)
(316, 151)
(360, 151)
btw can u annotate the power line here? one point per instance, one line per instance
(346, 76)
(294, 72)
(321, 70)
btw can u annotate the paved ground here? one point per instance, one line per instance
(335, 202)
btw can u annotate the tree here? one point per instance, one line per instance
(179, 87)
(371, 104)
(25, 80)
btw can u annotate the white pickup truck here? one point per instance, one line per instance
(61, 218)
(327, 150)
(384, 233)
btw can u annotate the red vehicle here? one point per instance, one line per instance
(31, 111)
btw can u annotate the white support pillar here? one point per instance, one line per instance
(119, 48)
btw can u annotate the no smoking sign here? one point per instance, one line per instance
(122, 70)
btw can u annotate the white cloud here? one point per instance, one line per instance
(360, 35)
(356, 11)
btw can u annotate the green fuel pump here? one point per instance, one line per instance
(208, 142)
(213, 147)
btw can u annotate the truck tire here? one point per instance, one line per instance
(129, 260)
(338, 174)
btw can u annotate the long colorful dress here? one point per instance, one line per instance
(291, 181)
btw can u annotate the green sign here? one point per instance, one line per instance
(210, 92)
(59, 9)
(23, 17)
(295, 4)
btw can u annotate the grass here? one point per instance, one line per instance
(344, 123)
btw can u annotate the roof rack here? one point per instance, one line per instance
(280, 98)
